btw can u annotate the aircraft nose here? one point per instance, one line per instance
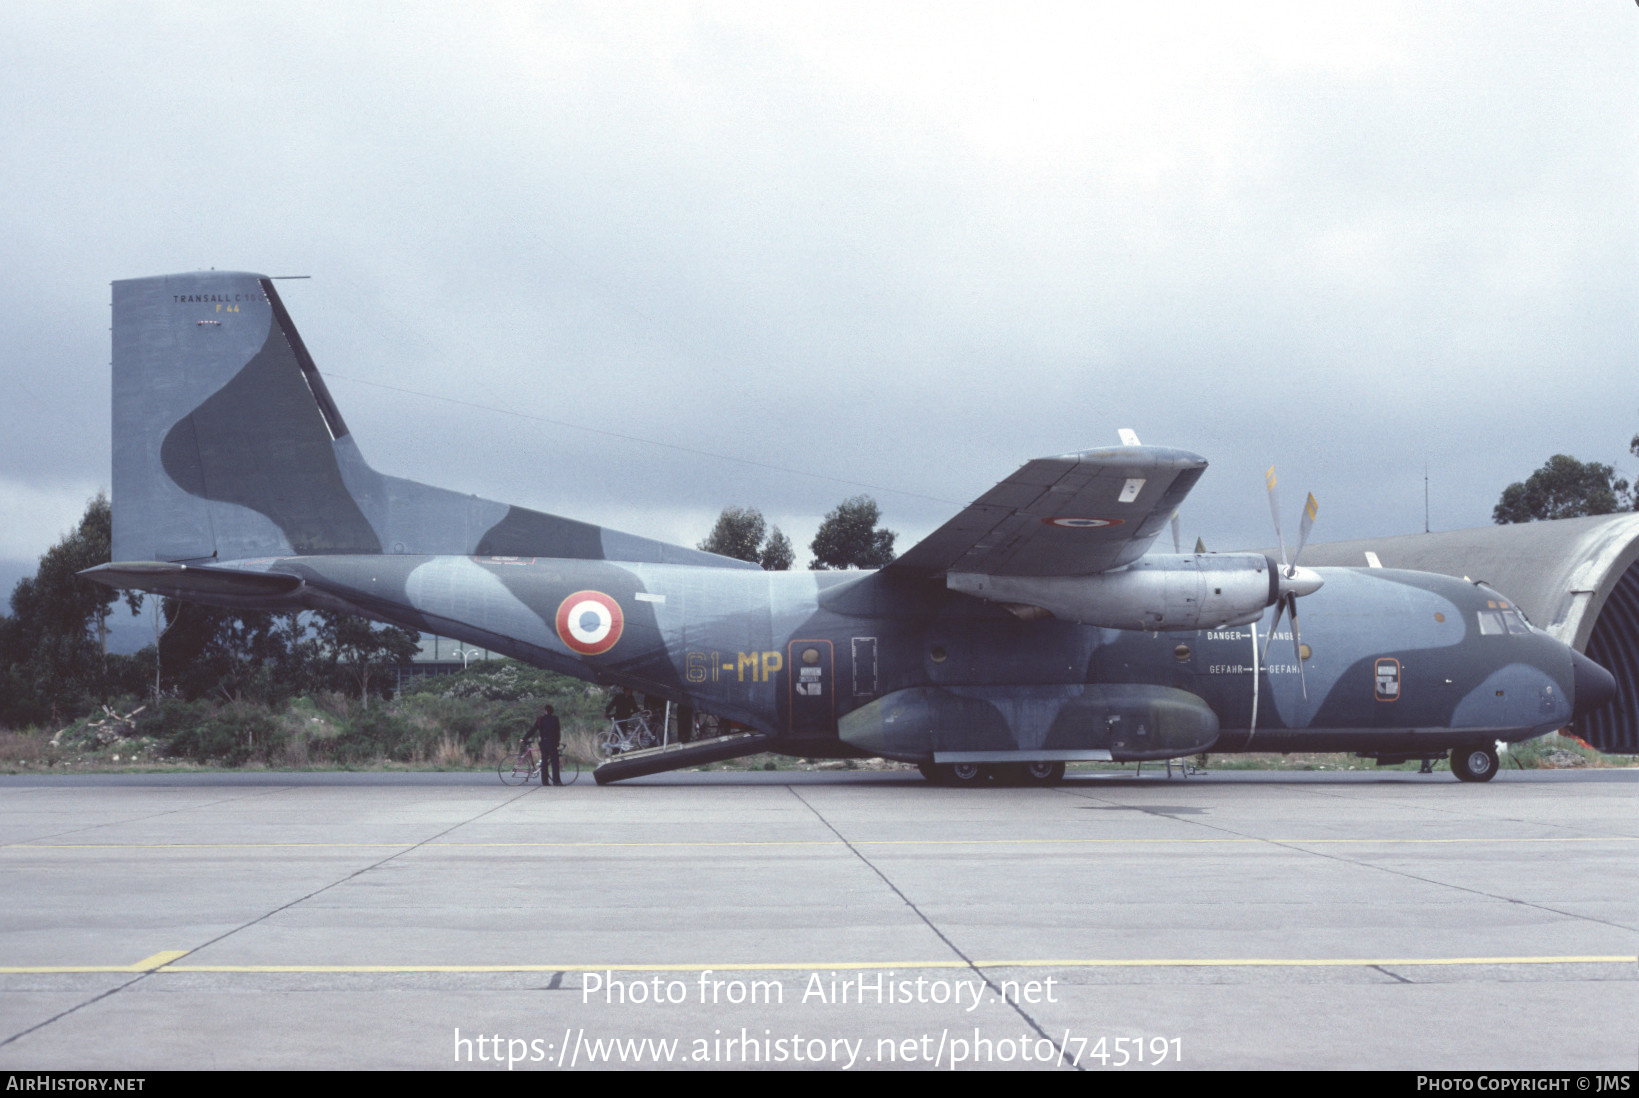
(1593, 685)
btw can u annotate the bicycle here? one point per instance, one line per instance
(523, 767)
(631, 734)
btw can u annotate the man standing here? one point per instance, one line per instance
(621, 706)
(548, 731)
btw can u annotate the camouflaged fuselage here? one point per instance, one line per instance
(873, 663)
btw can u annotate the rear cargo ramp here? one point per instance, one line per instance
(658, 760)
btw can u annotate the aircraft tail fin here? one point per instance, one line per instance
(228, 446)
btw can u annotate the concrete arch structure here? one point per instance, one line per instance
(1576, 578)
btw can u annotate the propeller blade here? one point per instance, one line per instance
(1253, 730)
(1297, 647)
(1305, 526)
(1274, 627)
(1274, 513)
(1177, 545)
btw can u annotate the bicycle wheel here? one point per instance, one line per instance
(568, 770)
(516, 769)
(610, 743)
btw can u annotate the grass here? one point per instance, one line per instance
(466, 721)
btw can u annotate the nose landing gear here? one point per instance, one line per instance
(1477, 763)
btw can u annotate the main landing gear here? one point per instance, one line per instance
(1474, 764)
(968, 774)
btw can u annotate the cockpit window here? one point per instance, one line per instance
(1499, 617)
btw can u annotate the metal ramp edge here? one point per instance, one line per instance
(658, 760)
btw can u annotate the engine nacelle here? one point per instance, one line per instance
(1154, 593)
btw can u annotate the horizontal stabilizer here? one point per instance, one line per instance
(192, 581)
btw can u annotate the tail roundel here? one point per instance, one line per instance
(228, 446)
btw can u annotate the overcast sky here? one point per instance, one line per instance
(684, 256)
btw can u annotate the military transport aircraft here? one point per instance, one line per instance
(1032, 629)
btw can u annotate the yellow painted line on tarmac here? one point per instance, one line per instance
(387, 846)
(147, 964)
(732, 843)
(162, 962)
(1316, 962)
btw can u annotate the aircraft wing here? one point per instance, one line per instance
(1071, 515)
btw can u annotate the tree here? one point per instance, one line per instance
(204, 652)
(777, 554)
(52, 666)
(1563, 488)
(739, 534)
(362, 647)
(848, 538)
(51, 647)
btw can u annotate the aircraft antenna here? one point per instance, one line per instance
(639, 439)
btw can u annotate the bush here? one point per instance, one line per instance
(231, 734)
(234, 734)
(22, 750)
(171, 718)
(496, 680)
(371, 734)
(1556, 752)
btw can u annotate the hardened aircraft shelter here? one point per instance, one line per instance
(1576, 578)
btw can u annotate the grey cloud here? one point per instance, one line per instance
(912, 250)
